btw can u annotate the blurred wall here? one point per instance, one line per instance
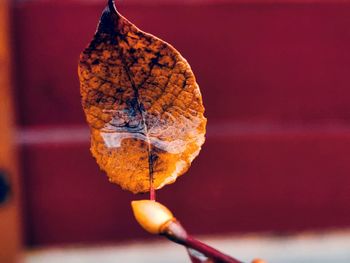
(275, 82)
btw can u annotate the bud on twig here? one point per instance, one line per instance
(151, 215)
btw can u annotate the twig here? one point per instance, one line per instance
(174, 231)
(157, 219)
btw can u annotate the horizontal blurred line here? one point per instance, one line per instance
(225, 129)
(318, 247)
(186, 2)
(220, 130)
(53, 135)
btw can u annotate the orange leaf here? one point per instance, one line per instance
(142, 103)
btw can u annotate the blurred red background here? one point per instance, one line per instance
(275, 82)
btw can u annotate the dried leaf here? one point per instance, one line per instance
(142, 103)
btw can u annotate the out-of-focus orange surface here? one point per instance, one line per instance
(9, 210)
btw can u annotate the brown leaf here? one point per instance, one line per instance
(142, 103)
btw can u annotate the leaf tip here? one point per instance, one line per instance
(109, 19)
(111, 6)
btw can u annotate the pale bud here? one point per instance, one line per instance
(151, 215)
